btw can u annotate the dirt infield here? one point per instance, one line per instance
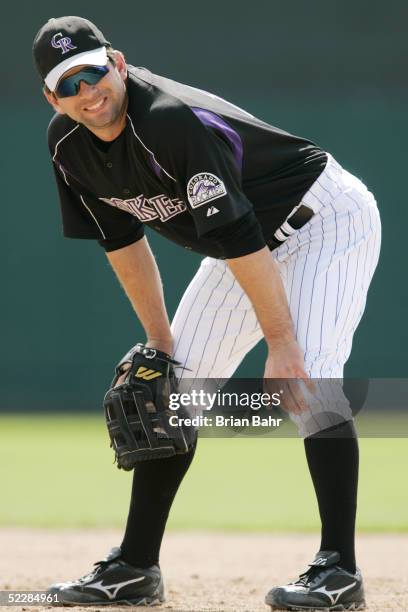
(203, 571)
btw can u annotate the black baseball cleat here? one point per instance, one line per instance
(112, 582)
(324, 586)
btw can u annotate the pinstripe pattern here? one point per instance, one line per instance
(326, 268)
(204, 324)
(224, 327)
(190, 298)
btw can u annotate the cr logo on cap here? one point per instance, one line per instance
(64, 43)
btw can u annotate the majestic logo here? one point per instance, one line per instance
(203, 188)
(147, 374)
(149, 209)
(212, 211)
(64, 43)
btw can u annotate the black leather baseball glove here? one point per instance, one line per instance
(137, 411)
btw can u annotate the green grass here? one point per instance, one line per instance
(57, 471)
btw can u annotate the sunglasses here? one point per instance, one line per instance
(70, 85)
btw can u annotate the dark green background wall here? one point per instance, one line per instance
(333, 71)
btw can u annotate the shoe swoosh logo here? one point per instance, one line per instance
(112, 590)
(335, 594)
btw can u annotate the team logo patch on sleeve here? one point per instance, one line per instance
(203, 188)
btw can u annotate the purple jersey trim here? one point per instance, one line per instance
(155, 166)
(215, 121)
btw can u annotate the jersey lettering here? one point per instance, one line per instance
(148, 209)
(167, 208)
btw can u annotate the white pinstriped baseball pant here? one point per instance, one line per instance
(326, 269)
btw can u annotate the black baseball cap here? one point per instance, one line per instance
(65, 42)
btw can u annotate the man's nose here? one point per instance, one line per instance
(85, 89)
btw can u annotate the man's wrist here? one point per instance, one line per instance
(161, 344)
(278, 341)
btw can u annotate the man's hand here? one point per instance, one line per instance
(165, 345)
(137, 413)
(284, 370)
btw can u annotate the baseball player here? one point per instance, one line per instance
(290, 243)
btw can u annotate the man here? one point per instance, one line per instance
(291, 243)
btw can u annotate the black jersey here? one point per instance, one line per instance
(188, 164)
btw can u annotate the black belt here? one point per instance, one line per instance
(295, 222)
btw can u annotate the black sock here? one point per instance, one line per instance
(332, 456)
(155, 485)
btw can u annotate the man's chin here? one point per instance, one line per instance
(105, 121)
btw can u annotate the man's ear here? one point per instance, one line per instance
(121, 64)
(53, 100)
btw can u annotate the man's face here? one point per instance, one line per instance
(96, 106)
